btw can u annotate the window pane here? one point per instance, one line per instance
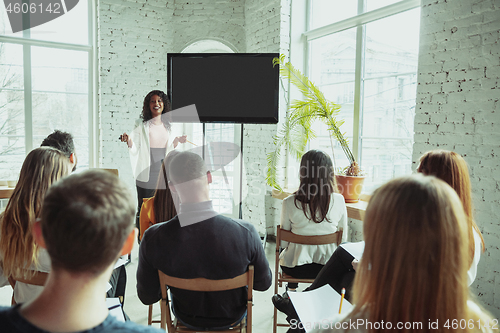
(389, 50)
(11, 66)
(60, 97)
(389, 94)
(375, 4)
(332, 68)
(5, 28)
(12, 142)
(222, 189)
(326, 12)
(12, 149)
(71, 27)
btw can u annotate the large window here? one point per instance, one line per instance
(46, 84)
(364, 57)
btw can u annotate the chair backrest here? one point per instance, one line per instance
(37, 279)
(288, 236)
(202, 284)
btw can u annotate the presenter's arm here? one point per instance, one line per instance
(126, 138)
(179, 139)
(262, 271)
(148, 281)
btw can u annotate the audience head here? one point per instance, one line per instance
(414, 266)
(146, 108)
(42, 167)
(64, 142)
(85, 220)
(452, 168)
(317, 183)
(164, 205)
(188, 176)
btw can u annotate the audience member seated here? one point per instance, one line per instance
(41, 168)
(161, 207)
(199, 242)
(86, 223)
(414, 267)
(314, 209)
(446, 165)
(64, 142)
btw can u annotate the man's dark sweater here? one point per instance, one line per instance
(218, 247)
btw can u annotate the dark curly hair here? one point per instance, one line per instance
(146, 111)
(60, 140)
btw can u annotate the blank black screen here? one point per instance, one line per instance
(240, 87)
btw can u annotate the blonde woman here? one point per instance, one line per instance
(452, 168)
(19, 252)
(414, 268)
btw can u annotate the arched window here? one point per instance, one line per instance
(225, 188)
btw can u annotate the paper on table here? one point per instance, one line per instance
(318, 306)
(355, 249)
(115, 308)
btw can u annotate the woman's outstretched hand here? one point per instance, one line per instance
(179, 139)
(125, 138)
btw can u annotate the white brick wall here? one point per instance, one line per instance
(458, 109)
(267, 30)
(134, 39)
(132, 47)
(222, 20)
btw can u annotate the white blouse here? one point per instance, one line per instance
(294, 219)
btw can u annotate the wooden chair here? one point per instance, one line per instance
(150, 316)
(38, 279)
(201, 284)
(279, 276)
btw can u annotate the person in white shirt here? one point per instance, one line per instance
(314, 209)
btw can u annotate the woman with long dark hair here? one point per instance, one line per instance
(314, 209)
(149, 142)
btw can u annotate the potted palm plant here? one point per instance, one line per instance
(296, 131)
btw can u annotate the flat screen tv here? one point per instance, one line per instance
(225, 87)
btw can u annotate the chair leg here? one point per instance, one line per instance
(150, 314)
(275, 319)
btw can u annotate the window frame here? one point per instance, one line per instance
(359, 21)
(91, 50)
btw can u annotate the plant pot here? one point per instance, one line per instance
(350, 187)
